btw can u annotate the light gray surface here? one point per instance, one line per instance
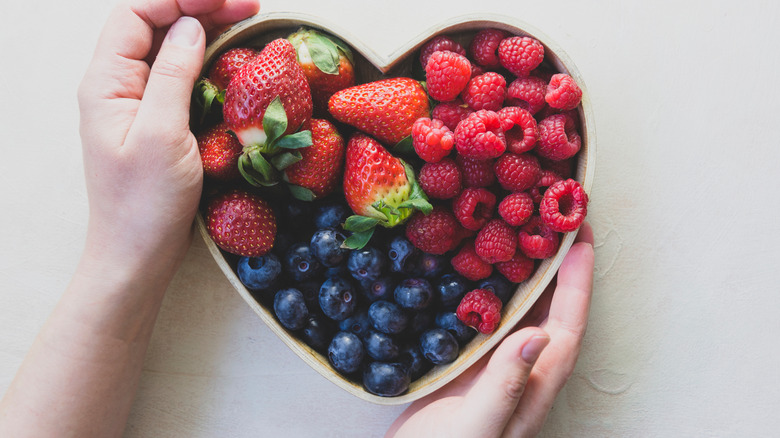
(682, 336)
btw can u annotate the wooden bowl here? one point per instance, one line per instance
(369, 65)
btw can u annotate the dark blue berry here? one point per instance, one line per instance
(499, 285)
(337, 298)
(283, 242)
(380, 289)
(386, 379)
(451, 289)
(290, 308)
(430, 265)
(380, 346)
(346, 352)
(401, 252)
(388, 317)
(330, 215)
(326, 246)
(311, 293)
(297, 214)
(449, 321)
(358, 323)
(418, 323)
(413, 293)
(318, 332)
(366, 263)
(301, 263)
(337, 270)
(412, 358)
(439, 346)
(257, 273)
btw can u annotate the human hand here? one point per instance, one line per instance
(142, 166)
(509, 392)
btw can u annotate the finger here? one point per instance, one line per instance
(488, 405)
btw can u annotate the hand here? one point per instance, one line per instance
(142, 165)
(509, 392)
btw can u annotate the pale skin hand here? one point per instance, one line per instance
(510, 392)
(144, 177)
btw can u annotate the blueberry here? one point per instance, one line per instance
(380, 346)
(451, 289)
(449, 321)
(330, 215)
(418, 323)
(430, 265)
(283, 242)
(386, 379)
(326, 246)
(388, 317)
(358, 323)
(499, 285)
(439, 346)
(290, 308)
(297, 214)
(413, 360)
(340, 270)
(258, 273)
(413, 293)
(379, 289)
(311, 293)
(301, 263)
(346, 352)
(366, 263)
(337, 298)
(401, 252)
(318, 332)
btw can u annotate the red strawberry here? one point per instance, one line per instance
(319, 171)
(226, 66)
(241, 223)
(326, 62)
(219, 151)
(385, 109)
(380, 189)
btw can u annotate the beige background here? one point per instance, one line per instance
(682, 338)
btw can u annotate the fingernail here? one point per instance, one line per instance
(533, 348)
(185, 32)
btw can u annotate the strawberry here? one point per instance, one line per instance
(385, 109)
(211, 88)
(327, 63)
(379, 188)
(319, 171)
(219, 151)
(241, 223)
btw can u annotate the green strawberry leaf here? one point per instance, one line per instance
(253, 176)
(357, 223)
(344, 48)
(417, 204)
(300, 139)
(286, 159)
(358, 240)
(274, 121)
(405, 146)
(418, 200)
(301, 193)
(324, 53)
(205, 94)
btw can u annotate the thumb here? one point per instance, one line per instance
(497, 390)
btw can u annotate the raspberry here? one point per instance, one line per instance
(441, 180)
(562, 92)
(562, 168)
(548, 178)
(436, 44)
(434, 233)
(431, 139)
(564, 206)
(446, 75)
(496, 242)
(537, 240)
(517, 172)
(484, 47)
(519, 128)
(468, 264)
(520, 55)
(527, 93)
(547, 111)
(485, 91)
(516, 208)
(476, 173)
(479, 136)
(451, 113)
(477, 71)
(474, 207)
(518, 269)
(558, 138)
(480, 309)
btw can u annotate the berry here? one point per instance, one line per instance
(241, 223)
(311, 294)
(318, 332)
(450, 289)
(519, 128)
(476, 173)
(480, 309)
(226, 66)
(548, 178)
(401, 253)
(496, 242)
(446, 75)
(484, 47)
(449, 321)
(430, 265)
(558, 138)
(435, 233)
(451, 113)
(441, 180)
(418, 323)
(562, 92)
(320, 168)
(327, 247)
(379, 289)
(564, 206)
(516, 208)
(468, 264)
(479, 136)
(439, 346)
(258, 273)
(499, 285)
(386, 379)
(301, 263)
(431, 139)
(366, 263)
(346, 352)
(388, 317)
(337, 298)
(358, 323)
(413, 361)
(439, 43)
(517, 172)
(330, 215)
(413, 293)
(474, 207)
(520, 55)
(527, 93)
(290, 309)
(220, 151)
(537, 240)
(485, 92)
(518, 269)
(380, 346)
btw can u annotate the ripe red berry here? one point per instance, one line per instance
(431, 139)
(441, 180)
(564, 206)
(476, 173)
(548, 178)
(434, 233)
(474, 207)
(527, 93)
(486, 91)
(223, 69)
(439, 43)
(520, 55)
(558, 138)
(484, 47)
(537, 240)
(518, 269)
(496, 242)
(479, 136)
(219, 151)
(451, 113)
(446, 75)
(519, 128)
(517, 172)
(241, 223)
(480, 309)
(516, 208)
(562, 92)
(468, 264)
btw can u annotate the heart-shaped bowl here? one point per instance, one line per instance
(369, 66)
